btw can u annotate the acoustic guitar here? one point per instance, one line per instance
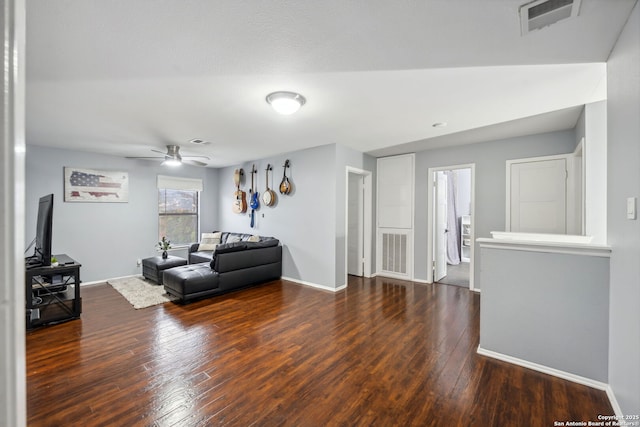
(269, 196)
(255, 201)
(240, 201)
(285, 185)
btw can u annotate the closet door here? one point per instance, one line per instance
(538, 196)
(395, 192)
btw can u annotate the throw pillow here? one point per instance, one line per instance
(253, 238)
(233, 238)
(209, 241)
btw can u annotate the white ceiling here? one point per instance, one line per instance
(127, 76)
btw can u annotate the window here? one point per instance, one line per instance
(178, 209)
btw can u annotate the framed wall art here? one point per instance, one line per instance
(92, 185)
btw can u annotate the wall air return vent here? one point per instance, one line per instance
(394, 253)
(542, 13)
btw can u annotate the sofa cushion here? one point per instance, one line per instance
(209, 241)
(263, 244)
(200, 256)
(233, 238)
(230, 247)
(190, 279)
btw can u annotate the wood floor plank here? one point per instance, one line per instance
(381, 352)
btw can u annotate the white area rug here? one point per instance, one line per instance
(140, 292)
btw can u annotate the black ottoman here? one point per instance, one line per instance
(152, 268)
(191, 281)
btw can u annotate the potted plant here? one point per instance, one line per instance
(54, 261)
(164, 244)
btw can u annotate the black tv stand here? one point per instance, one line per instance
(52, 293)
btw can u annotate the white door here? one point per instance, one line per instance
(538, 196)
(355, 229)
(440, 232)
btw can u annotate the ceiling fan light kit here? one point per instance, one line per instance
(172, 162)
(285, 103)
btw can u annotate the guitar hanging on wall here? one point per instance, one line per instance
(240, 202)
(285, 185)
(255, 201)
(269, 196)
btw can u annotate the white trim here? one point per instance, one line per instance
(98, 282)
(546, 247)
(314, 285)
(367, 225)
(614, 401)
(179, 183)
(410, 231)
(544, 369)
(430, 219)
(507, 215)
(421, 281)
(13, 389)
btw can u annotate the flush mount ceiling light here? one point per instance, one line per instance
(285, 102)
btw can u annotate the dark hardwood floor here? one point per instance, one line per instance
(382, 352)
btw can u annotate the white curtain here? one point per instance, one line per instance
(453, 225)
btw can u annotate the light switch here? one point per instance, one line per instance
(631, 208)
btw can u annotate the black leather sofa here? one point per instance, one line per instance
(231, 266)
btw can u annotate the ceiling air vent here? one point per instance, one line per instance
(199, 141)
(542, 13)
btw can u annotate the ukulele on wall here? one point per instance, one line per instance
(240, 201)
(285, 185)
(255, 201)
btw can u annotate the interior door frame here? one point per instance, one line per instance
(367, 206)
(570, 185)
(430, 219)
(439, 233)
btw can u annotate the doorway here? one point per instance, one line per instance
(358, 223)
(450, 221)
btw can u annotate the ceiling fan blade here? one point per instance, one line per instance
(164, 153)
(196, 157)
(137, 157)
(194, 162)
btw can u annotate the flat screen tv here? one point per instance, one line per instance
(42, 253)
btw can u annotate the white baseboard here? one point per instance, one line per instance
(97, 282)
(546, 370)
(614, 402)
(314, 285)
(421, 281)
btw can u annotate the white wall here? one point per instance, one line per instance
(623, 112)
(595, 154)
(107, 238)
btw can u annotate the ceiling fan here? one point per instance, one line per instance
(173, 158)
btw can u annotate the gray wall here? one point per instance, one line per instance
(304, 220)
(547, 308)
(106, 238)
(490, 183)
(623, 111)
(310, 221)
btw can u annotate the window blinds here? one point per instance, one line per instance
(179, 183)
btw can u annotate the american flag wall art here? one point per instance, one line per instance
(91, 185)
